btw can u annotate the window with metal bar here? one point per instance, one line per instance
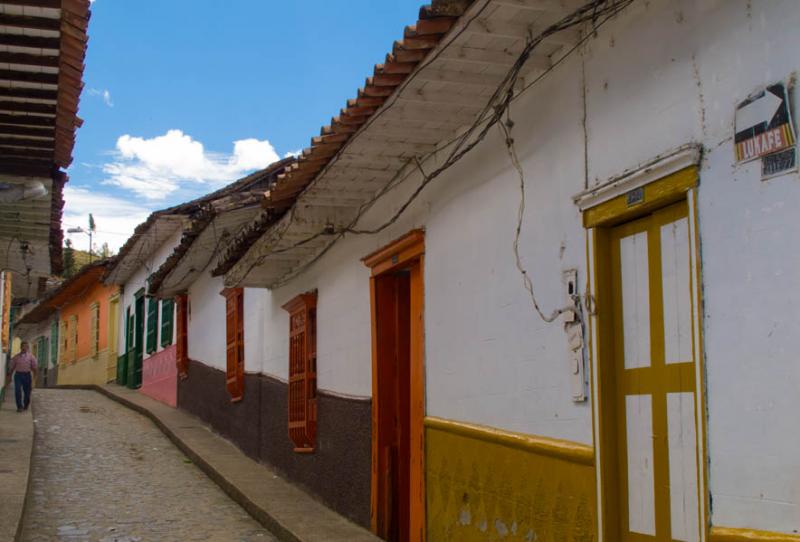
(234, 339)
(94, 330)
(182, 339)
(303, 371)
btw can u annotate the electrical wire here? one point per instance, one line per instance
(491, 114)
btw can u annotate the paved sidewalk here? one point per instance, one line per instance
(16, 443)
(288, 512)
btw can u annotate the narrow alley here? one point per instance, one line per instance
(102, 472)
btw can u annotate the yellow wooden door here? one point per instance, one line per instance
(654, 373)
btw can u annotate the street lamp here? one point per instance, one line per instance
(81, 230)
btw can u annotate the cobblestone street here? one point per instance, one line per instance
(101, 472)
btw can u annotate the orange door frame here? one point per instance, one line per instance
(405, 253)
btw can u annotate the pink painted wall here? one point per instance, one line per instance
(160, 377)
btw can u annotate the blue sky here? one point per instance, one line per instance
(184, 96)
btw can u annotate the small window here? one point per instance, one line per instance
(234, 339)
(42, 351)
(73, 341)
(303, 371)
(94, 329)
(167, 311)
(152, 325)
(54, 342)
(182, 344)
(64, 335)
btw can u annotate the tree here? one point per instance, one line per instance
(105, 252)
(69, 259)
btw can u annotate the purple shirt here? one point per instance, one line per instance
(23, 362)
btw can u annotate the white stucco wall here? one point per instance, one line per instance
(138, 280)
(664, 74)
(207, 322)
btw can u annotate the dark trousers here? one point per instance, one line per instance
(22, 384)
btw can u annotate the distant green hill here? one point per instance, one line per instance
(82, 258)
(79, 257)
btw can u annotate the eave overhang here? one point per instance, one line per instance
(42, 51)
(435, 84)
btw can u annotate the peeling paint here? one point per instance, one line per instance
(501, 528)
(465, 516)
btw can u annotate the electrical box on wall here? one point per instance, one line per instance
(573, 326)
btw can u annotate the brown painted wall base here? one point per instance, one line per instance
(338, 471)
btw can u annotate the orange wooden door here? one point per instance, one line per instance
(392, 303)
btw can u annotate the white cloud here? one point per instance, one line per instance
(293, 154)
(115, 217)
(105, 94)
(156, 167)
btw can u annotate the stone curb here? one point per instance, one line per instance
(275, 525)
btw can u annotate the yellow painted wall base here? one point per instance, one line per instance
(729, 534)
(88, 370)
(487, 484)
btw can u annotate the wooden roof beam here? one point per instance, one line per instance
(29, 77)
(53, 4)
(17, 152)
(27, 107)
(26, 59)
(332, 138)
(29, 21)
(9, 129)
(489, 57)
(35, 42)
(33, 93)
(26, 142)
(555, 6)
(513, 30)
(392, 67)
(25, 120)
(476, 102)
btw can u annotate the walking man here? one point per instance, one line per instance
(22, 365)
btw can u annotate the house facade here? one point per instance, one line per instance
(72, 329)
(42, 336)
(467, 322)
(146, 350)
(5, 325)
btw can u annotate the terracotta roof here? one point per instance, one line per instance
(199, 213)
(433, 114)
(418, 40)
(435, 20)
(69, 290)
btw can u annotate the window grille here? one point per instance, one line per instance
(234, 338)
(303, 371)
(94, 331)
(182, 345)
(73, 342)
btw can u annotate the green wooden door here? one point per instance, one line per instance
(122, 361)
(135, 364)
